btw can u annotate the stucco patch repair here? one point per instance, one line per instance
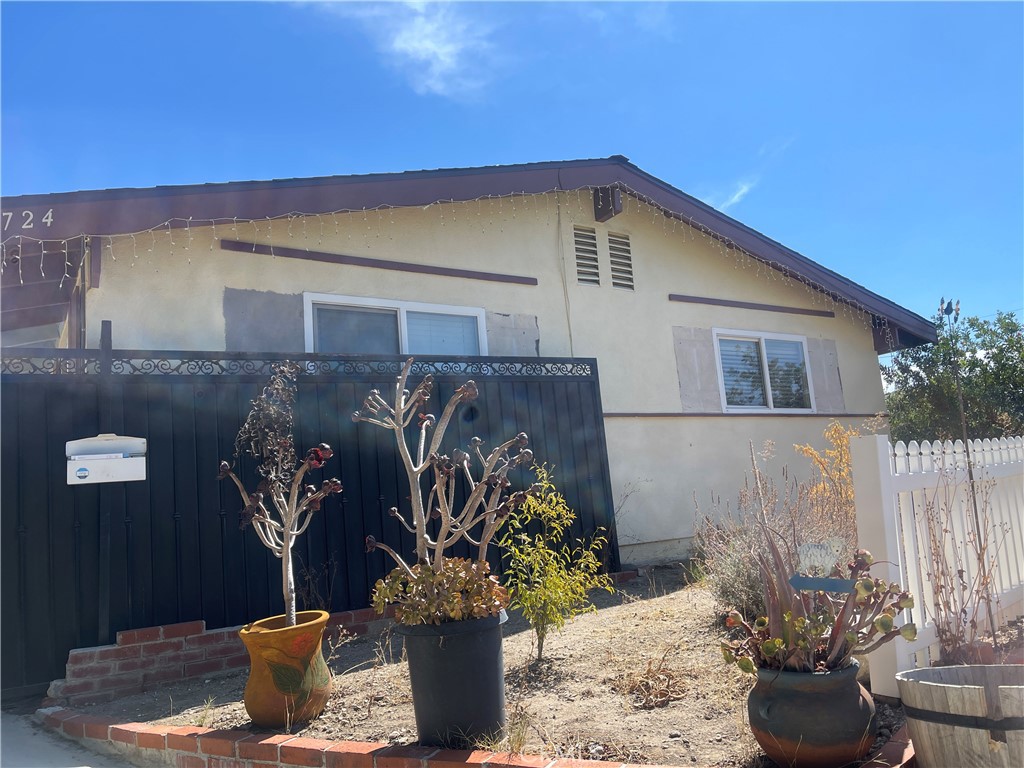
(262, 321)
(513, 335)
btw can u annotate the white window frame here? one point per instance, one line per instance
(760, 337)
(312, 300)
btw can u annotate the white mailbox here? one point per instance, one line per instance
(106, 459)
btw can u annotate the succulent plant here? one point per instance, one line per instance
(815, 630)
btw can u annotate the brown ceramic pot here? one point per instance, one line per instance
(812, 720)
(288, 678)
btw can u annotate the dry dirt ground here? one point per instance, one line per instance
(641, 680)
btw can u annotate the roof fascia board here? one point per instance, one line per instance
(139, 210)
(776, 255)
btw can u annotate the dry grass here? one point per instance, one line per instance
(659, 636)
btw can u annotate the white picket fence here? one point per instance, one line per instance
(895, 486)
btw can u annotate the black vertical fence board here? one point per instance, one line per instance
(566, 428)
(116, 397)
(346, 550)
(61, 511)
(157, 580)
(599, 474)
(249, 577)
(12, 640)
(144, 415)
(493, 420)
(309, 570)
(218, 500)
(375, 502)
(119, 587)
(189, 407)
(330, 515)
(187, 558)
(578, 439)
(85, 422)
(35, 481)
(587, 448)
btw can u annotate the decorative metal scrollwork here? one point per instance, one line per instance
(144, 363)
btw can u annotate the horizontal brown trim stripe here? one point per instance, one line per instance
(363, 261)
(756, 415)
(750, 305)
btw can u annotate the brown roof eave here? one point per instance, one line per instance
(915, 330)
(138, 210)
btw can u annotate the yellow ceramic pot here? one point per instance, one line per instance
(288, 678)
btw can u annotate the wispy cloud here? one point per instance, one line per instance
(742, 188)
(768, 155)
(610, 18)
(442, 49)
(724, 202)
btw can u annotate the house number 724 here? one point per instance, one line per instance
(25, 219)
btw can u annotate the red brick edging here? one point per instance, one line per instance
(192, 747)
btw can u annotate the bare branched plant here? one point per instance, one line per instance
(962, 555)
(438, 588)
(281, 507)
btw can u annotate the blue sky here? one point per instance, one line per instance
(883, 140)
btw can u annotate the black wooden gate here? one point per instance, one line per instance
(81, 563)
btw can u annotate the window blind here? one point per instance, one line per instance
(430, 333)
(741, 372)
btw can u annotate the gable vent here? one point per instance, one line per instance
(585, 240)
(622, 261)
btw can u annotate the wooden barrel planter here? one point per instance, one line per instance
(969, 716)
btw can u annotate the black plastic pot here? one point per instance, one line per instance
(458, 680)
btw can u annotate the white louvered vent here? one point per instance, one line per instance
(622, 261)
(585, 240)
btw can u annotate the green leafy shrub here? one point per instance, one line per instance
(549, 579)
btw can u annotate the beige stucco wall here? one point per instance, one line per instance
(164, 296)
(669, 473)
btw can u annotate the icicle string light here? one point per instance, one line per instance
(514, 204)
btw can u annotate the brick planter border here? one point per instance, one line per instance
(191, 747)
(142, 659)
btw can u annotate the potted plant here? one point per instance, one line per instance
(288, 678)
(449, 610)
(807, 709)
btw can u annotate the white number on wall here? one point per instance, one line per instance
(25, 219)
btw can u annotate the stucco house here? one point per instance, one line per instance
(708, 335)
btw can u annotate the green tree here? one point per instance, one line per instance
(548, 579)
(989, 355)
